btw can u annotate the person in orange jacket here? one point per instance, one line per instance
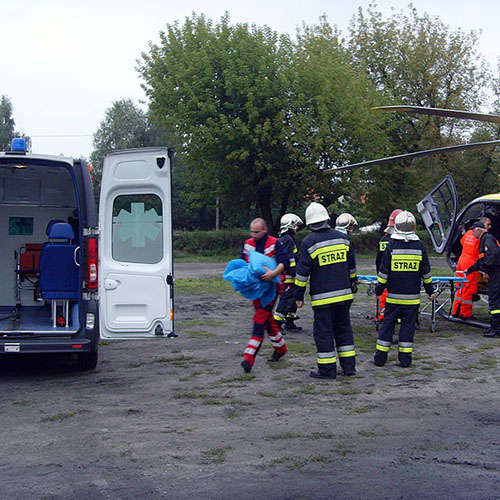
(462, 305)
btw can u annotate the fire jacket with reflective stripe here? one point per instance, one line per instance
(404, 265)
(290, 246)
(268, 245)
(382, 245)
(489, 255)
(327, 258)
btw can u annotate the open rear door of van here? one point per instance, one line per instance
(135, 250)
(439, 212)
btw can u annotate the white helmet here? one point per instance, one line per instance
(405, 223)
(289, 221)
(316, 212)
(345, 222)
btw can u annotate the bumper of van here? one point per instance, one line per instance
(39, 346)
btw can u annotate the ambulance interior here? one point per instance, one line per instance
(39, 268)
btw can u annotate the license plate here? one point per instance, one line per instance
(12, 347)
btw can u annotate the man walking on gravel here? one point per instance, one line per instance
(263, 318)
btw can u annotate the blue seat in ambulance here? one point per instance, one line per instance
(59, 274)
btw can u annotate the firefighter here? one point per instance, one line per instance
(404, 264)
(285, 314)
(462, 305)
(488, 263)
(326, 257)
(388, 231)
(263, 318)
(345, 223)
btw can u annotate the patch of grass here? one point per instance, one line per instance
(200, 333)
(374, 432)
(268, 394)
(215, 456)
(291, 462)
(489, 362)
(343, 449)
(59, 417)
(364, 343)
(308, 389)
(191, 395)
(240, 402)
(321, 435)
(301, 348)
(444, 335)
(244, 377)
(427, 445)
(188, 323)
(202, 286)
(362, 409)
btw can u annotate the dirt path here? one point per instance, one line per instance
(178, 419)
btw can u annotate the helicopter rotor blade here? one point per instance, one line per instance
(451, 113)
(417, 154)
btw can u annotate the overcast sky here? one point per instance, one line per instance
(63, 63)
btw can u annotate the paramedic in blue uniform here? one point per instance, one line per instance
(285, 314)
(404, 265)
(489, 264)
(327, 259)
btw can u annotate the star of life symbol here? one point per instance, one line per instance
(138, 224)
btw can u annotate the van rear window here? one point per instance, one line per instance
(137, 228)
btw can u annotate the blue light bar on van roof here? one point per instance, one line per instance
(18, 145)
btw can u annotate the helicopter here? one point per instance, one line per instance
(439, 208)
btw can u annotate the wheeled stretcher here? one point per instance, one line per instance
(434, 307)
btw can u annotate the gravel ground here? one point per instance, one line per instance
(178, 418)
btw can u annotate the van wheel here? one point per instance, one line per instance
(86, 360)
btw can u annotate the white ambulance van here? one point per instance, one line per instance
(69, 276)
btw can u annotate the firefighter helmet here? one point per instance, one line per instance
(405, 223)
(392, 217)
(289, 221)
(345, 222)
(316, 212)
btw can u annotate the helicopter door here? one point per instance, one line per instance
(439, 211)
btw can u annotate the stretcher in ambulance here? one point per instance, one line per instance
(69, 276)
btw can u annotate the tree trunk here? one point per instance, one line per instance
(264, 203)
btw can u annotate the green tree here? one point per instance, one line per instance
(417, 60)
(7, 123)
(257, 116)
(125, 125)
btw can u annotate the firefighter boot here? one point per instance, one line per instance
(291, 326)
(246, 366)
(275, 357)
(323, 374)
(380, 358)
(494, 330)
(404, 359)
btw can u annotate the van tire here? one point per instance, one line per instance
(86, 360)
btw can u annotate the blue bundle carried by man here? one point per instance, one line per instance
(245, 277)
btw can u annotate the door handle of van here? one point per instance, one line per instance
(74, 256)
(111, 284)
